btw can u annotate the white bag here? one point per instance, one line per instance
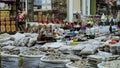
(9, 61)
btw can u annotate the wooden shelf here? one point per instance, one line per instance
(8, 1)
(7, 18)
(7, 10)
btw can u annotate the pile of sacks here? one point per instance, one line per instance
(16, 44)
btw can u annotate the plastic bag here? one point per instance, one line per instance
(32, 42)
(9, 61)
(4, 37)
(30, 62)
(110, 64)
(23, 41)
(6, 43)
(105, 55)
(54, 45)
(78, 47)
(89, 49)
(7, 48)
(17, 38)
(51, 65)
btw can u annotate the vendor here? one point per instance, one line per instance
(90, 23)
(118, 25)
(83, 27)
(77, 26)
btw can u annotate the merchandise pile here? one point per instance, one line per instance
(69, 50)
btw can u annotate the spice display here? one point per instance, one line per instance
(12, 52)
(31, 52)
(59, 52)
(8, 48)
(93, 60)
(55, 58)
(5, 35)
(78, 64)
(110, 64)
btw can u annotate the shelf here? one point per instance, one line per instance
(8, 1)
(38, 10)
(7, 16)
(4, 10)
(42, 14)
(7, 10)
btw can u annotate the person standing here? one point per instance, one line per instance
(21, 20)
(110, 28)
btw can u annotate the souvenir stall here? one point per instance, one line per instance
(43, 12)
(70, 49)
(46, 10)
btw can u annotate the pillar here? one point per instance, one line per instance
(70, 10)
(86, 7)
(93, 7)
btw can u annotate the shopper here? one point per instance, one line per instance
(111, 19)
(90, 23)
(83, 27)
(118, 25)
(118, 18)
(21, 20)
(110, 28)
(103, 19)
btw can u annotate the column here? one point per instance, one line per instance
(76, 6)
(26, 8)
(93, 7)
(88, 7)
(84, 7)
(70, 10)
